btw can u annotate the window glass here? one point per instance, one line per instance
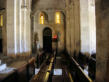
(41, 19)
(1, 20)
(58, 18)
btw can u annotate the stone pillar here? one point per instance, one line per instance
(72, 29)
(11, 27)
(28, 28)
(18, 27)
(88, 27)
(68, 33)
(73, 26)
(84, 26)
(92, 25)
(102, 21)
(76, 19)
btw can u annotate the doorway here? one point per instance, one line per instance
(47, 39)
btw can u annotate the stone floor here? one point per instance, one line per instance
(60, 67)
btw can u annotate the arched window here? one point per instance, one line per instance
(1, 20)
(42, 18)
(58, 17)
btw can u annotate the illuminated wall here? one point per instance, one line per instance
(53, 18)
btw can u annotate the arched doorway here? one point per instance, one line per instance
(47, 39)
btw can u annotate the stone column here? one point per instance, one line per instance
(18, 27)
(28, 27)
(68, 29)
(92, 25)
(11, 27)
(77, 24)
(102, 21)
(88, 27)
(85, 39)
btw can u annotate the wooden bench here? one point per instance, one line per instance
(23, 72)
(12, 76)
(92, 68)
(76, 71)
(46, 71)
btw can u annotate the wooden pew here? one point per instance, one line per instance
(92, 68)
(40, 58)
(31, 68)
(46, 71)
(26, 71)
(76, 71)
(81, 76)
(12, 76)
(88, 60)
(23, 73)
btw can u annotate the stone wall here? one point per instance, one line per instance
(49, 7)
(102, 18)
